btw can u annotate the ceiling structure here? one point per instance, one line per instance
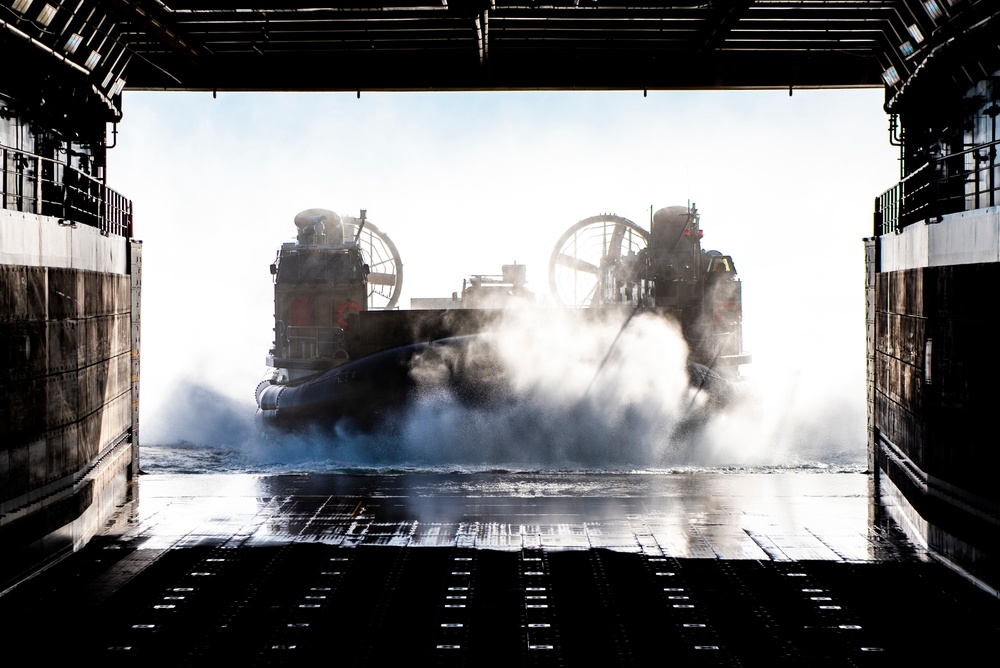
(367, 45)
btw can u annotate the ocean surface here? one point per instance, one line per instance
(207, 459)
(469, 442)
(561, 410)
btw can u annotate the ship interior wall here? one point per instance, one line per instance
(933, 404)
(933, 314)
(68, 340)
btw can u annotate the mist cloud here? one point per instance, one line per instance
(546, 388)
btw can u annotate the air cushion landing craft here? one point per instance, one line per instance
(342, 350)
(610, 262)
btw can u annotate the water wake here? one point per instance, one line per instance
(571, 397)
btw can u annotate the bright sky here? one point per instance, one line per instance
(466, 182)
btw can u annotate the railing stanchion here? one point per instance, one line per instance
(85, 199)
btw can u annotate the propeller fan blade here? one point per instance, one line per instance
(576, 263)
(378, 278)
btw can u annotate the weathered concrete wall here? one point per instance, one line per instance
(66, 385)
(933, 392)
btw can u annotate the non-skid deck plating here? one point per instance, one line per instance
(535, 569)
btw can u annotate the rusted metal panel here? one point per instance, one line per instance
(940, 412)
(66, 377)
(65, 293)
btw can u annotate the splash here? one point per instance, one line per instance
(545, 389)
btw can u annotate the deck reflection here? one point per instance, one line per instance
(783, 516)
(546, 569)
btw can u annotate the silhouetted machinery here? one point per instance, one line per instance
(341, 349)
(608, 261)
(339, 269)
(503, 291)
(336, 267)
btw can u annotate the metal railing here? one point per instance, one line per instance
(308, 342)
(961, 181)
(35, 184)
(911, 200)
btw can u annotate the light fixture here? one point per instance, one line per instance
(117, 88)
(933, 9)
(73, 43)
(21, 5)
(92, 60)
(906, 48)
(891, 76)
(46, 15)
(915, 33)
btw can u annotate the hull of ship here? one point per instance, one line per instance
(69, 389)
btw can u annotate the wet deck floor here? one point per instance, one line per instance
(728, 569)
